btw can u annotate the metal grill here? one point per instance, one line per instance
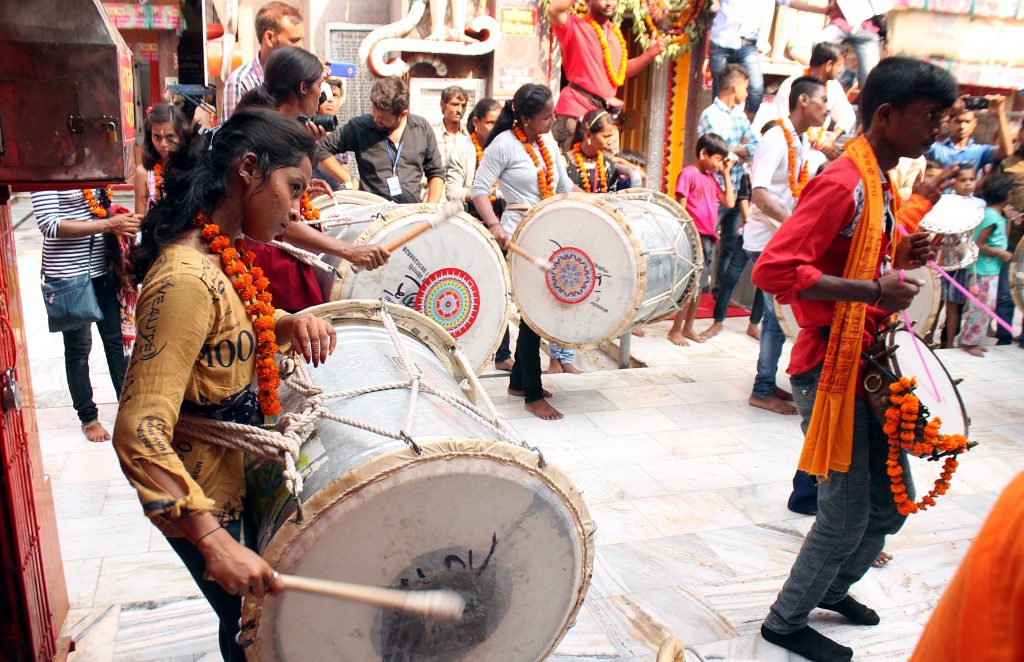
(343, 46)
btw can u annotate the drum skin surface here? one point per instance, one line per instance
(618, 260)
(469, 513)
(953, 220)
(455, 273)
(1017, 276)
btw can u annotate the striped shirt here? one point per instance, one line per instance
(240, 81)
(66, 257)
(733, 126)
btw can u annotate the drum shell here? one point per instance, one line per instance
(640, 247)
(349, 472)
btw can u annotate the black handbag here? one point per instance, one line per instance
(71, 302)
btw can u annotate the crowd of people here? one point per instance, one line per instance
(804, 199)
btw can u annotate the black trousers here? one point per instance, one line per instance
(504, 353)
(526, 372)
(78, 345)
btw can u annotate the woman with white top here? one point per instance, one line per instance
(522, 158)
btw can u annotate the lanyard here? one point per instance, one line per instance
(394, 157)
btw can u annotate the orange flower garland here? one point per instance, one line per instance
(602, 174)
(158, 181)
(309, 212)
(902, 419)
(545, 174)
(479, 158)
(796, 183)
(97, 207)
(617, 78)
(251, 285)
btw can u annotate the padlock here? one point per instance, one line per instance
(10, 392)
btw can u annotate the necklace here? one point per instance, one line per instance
(251, 285)
(619, 77)
(479, 158)
(602, 175)
(158, 181)
(309, 212)
(99, 206)
(796, 182)
(545, 174)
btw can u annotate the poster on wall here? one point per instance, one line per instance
(521, 56)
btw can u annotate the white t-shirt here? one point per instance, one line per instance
(839, 108)
(770, 171)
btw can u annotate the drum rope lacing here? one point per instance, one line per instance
(306, 257)
(678, 279)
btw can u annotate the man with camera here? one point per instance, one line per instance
(960, 147)
(394, 149)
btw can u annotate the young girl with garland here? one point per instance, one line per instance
(209, 325)
(521, 158)
(164, 129)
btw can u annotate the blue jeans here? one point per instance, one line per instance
(855, 514)
(730, 243)
(747, 56)
(563, 355)
(772, 339)
(1005, 308)
(865, 44)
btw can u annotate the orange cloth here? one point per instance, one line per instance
(828, 444)
(912, 211)
(981, 613)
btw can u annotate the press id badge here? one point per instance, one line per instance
(394, 186)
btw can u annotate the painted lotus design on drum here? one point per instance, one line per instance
(451, 298)
(572, 276)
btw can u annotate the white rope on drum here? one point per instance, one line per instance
(304, 256)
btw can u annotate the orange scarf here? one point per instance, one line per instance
(829, 441)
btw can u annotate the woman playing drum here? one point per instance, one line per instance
(518, 157)
(204, 326)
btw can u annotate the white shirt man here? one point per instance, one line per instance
(770, 171)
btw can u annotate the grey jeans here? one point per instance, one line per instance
(856, 512)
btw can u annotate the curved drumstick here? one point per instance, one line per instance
(538, 262)
(438, 605)
(447, 211)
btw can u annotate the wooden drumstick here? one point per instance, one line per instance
(538, 262)
(438, 605)
(447, 211)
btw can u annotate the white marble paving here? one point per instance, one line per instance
(686, 484)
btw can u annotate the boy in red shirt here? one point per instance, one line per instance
(699, 192)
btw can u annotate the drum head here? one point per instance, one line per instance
(454, 274)
(912, 358)
(352, 198)
(598, 277)
(924, 308)
(1017, 276)
(953, 214)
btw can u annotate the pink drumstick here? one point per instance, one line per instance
(934, 391)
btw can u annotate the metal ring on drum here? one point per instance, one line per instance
(1017, 276)
(953, 219)
(618, 260)
(467, 513)
(455, 273)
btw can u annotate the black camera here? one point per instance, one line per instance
(975, 103)
(327, 122)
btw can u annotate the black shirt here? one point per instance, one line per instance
(417, 155)
(610, 168)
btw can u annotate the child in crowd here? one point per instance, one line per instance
(632, 170)
(699, 192)
(992, 244)
(164, 129)
(964, 185)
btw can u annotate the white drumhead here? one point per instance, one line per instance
(599, 274)
(454, 274)
(353, 198)
(925, 306)
(913, 358)
(953, 214)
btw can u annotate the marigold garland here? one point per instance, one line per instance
(251, 285)
(479, 158)
(99, 206)
(602, 174)
(619, 77)
(796, 183)
(903, 418)
(545, 174)
(158, 181)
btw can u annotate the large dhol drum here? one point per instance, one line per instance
(454, 274)
(451, 507)
(1017, 276)
(618, 260)
(351, 198)
(953, 220)
(922, 313)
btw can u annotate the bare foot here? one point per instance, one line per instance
(520, 394)
(692, 335)
(554, 367)
(754, 331)
(772, 403)
(638, 331)
(881, 560)
(542, 409)
(505, 365)
(94, 431)
(676, 338)
(571, 369)
(711, 331)
(973, 350)
(783, 394)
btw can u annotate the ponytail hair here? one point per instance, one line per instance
(593, 122)
(528, 101)
(197, 177)
(286, 69)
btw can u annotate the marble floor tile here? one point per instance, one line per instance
(639, 397)
(586, 640)
(573, 426)
(678, 514)
(615, 483)
(620, 521)
(701, 442)
(146, 577)
(765, 466)
(618, 450)
(694, 474)
(744, 601)
(587, 381)
(763, 502)
(121, 499)
(94, 465)
(780, 432)
(658, 563)
(81, 577)
(707, 414)
(53, 465)
(631, 421)
(654, 376)
(93, 630)
(935, 564)
(91, 537)
(72, 500)
(143, 635)
(757, 549)
(716, 391)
